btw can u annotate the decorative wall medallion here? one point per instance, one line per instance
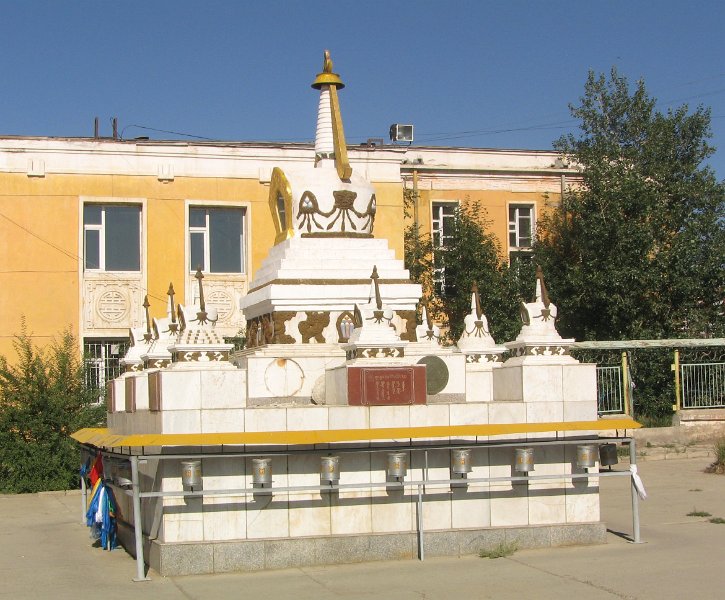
(436, 374)
(112, 306)
(223, 302)
(314, 325)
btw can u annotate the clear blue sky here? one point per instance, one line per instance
(476, 73)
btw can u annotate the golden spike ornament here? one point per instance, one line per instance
(148, 336)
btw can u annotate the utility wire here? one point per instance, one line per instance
(75, 257)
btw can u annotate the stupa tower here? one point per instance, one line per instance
(319, 268)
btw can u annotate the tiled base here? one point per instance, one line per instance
(253, 555)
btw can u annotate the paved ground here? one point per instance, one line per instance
(46, 553)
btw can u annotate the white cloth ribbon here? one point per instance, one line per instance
(101, 500)
(637, 481)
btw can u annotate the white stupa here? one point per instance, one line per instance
(324, 214)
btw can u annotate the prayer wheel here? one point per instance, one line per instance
(398, 464)
(524, 460)
(191, 473)
(329, 469)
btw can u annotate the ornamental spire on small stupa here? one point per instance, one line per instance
(330, 137)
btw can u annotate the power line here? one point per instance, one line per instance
(75, 257)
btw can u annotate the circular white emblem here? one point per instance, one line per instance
(112, 306)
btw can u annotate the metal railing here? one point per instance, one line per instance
(610, 399)
(702, 385)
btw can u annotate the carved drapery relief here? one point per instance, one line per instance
(342, 220)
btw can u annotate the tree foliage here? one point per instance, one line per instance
(638, 250)
(43, 399)
(471, 254)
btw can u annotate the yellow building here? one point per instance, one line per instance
(90, 226)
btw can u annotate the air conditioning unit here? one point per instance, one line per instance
(401, 133)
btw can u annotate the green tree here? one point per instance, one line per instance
(470, 254)
(43, 399)
(638, 248)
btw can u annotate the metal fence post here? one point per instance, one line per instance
(678, 395)
(625, 384)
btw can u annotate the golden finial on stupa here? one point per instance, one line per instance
(327, 77)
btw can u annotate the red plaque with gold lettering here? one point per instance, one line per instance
(386, 386)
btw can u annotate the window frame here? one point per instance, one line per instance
(438, 272)
(244, 242)
(517, 251)
(104, 203)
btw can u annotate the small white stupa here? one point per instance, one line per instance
(198, 341)
(165, 334)
(374, 335)
(476, 341)
(538, 337)
(428, 334)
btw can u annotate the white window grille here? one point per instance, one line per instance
(102, 359)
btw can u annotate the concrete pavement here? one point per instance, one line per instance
(47, 553)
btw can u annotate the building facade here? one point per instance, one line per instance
(91, 226)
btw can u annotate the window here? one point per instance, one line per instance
(216, 243)
(521, 231)
(102, 359)
(442, 227)
(112, 237)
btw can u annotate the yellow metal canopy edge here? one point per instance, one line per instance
(103, 438)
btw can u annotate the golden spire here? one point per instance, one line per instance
(476, 300)
(544, 291)
(331, 81)
(148, 336)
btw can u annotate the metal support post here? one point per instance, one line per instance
(421, 551)
(84, 500)
(137, 522)
(635, 496)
